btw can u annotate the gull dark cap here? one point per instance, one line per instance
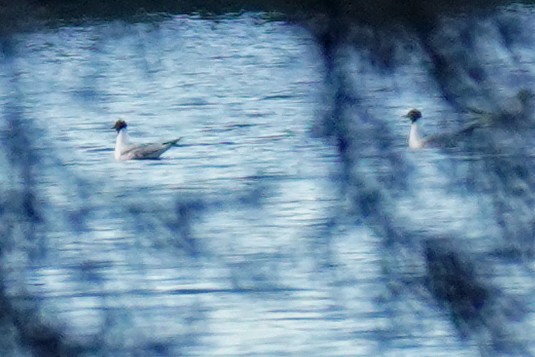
(413, 115)
(119, 124)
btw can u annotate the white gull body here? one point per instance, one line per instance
(418, 141)
(126, 150)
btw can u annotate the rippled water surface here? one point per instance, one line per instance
(237, 242)
(242, 93)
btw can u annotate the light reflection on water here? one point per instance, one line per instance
(235, 243)
(243, 101)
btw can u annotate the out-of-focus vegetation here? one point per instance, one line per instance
(417, 13)
(504, 177)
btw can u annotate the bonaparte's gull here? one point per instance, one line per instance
(418, 141)
(126, 150)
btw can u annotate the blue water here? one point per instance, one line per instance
(241, 241)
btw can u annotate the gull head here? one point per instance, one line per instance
(413, 115)
(119, 124)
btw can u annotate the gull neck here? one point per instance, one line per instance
(416, 140)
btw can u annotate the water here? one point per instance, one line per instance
(242, 93)
(243, 240)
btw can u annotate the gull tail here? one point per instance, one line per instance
(477, 111)
(172, 142)
(482, 118)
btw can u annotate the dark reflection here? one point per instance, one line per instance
(375, 177)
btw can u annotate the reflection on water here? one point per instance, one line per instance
(250, 238)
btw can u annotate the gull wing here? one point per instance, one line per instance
(146, 151)
(451, 139)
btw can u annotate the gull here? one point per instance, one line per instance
(418, 141)
(125, 150)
